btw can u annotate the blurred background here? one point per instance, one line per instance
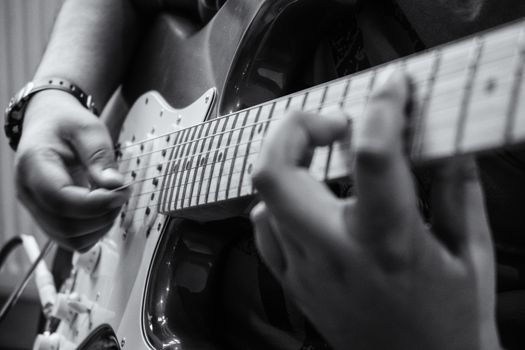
(25, 26)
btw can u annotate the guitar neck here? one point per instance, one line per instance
(468, 97)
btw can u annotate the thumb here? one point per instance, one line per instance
(94, 147)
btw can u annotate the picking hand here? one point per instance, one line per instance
(368, 271)
(65, 170)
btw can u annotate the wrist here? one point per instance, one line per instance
(44, 102)
(18, 106)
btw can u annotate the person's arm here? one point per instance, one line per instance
(65, 159)
(367, 271)
(91, 44)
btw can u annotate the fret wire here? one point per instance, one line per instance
(200, 168)
(210, 146)
(189, 160)
(467, 92)
(185, 149)
(236, 149)
(207, 194)
(345, 93)
(305, 97)
(172, 178)
(195, 170)
(170, 165)
(372, 81)
(517, 86)
(266, 124)
(245, 160)
(321, 102)
(321, 105)
(422, 117)
(224, 156)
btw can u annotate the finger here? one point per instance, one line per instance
(94, 147)
(384, 185)
(291, 195)
(459, 217)
(44, 177)
(267, 241)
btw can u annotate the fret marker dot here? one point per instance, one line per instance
(250, 167)
(138, 161)
(155, 182)
(490, 85)
(152, 196)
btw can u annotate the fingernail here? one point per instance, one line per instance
(257, 211)
(112, 175)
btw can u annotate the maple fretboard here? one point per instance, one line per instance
(469, 97)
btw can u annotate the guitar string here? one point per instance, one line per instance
(216, 150)
(181, 159)
(417, 58)
(320, 152)
(347, 100)
(195, 143)
(236, 145)
(403, 62)
(184, 198)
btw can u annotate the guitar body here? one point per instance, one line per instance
(126, 291)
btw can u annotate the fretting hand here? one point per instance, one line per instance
(368, 271)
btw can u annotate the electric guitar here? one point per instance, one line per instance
(189, 145)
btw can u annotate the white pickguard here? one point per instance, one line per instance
(115, 288)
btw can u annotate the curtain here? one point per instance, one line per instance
(25, 26)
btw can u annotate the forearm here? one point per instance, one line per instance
(91, 45)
